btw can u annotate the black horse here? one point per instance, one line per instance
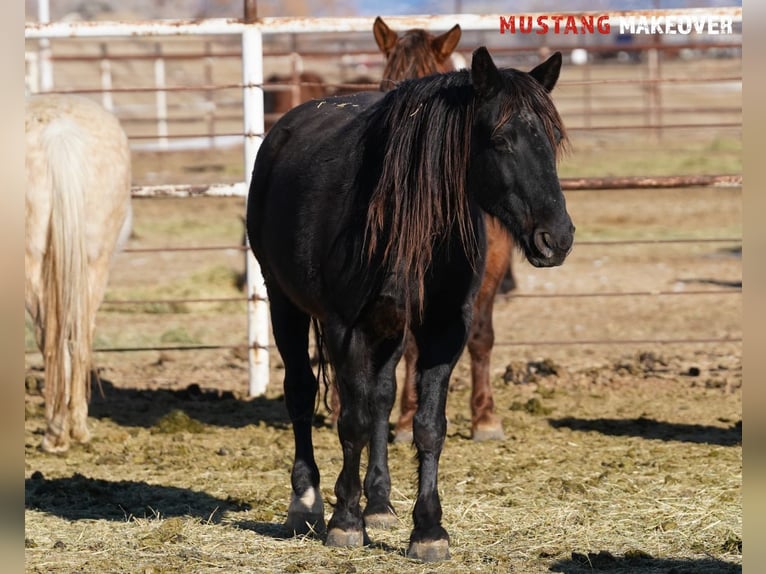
(366, 212)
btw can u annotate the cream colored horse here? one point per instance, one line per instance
(77, 214)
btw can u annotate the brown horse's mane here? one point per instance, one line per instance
(420, 197)
(413, 57)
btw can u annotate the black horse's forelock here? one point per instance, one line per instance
(420, 197)
(524, 92)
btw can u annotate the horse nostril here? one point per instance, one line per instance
(544, 243)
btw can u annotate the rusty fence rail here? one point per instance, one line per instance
(571, 184)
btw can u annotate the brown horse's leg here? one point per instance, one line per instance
(409, 400)
(485, 424)
(508, 283)
(334, 404)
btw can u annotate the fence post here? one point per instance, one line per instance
(162, 98)
(655, 94)
(44, 59)
(257, 302)
(209, 95)
(106, 79)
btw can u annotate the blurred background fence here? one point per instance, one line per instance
(643, 112)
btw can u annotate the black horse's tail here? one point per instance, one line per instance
(323, 363)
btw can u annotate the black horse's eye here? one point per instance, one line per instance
(501, 143)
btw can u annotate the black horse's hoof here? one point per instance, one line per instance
(346, 538)
(429, 550)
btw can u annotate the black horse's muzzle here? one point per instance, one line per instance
(551, 245)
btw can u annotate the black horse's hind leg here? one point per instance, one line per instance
(366, 402)
(377, 481)
(440, 343)
(291, 329)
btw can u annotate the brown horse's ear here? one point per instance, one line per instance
(485, 76)
(444, 44)
(547, 73)
(384, 36)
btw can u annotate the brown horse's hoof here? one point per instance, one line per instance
(403, 435)
(382, 520)
(429, 550)
(346, 538)
(488, 433)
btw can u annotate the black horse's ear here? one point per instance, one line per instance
(485, 76)
(547, 73)
(385, 37)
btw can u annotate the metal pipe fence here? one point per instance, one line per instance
(251, 87)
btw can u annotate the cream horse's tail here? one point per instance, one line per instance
(68, 334)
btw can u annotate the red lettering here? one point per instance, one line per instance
(528, 20)
(543, 24)
(603, 24)
(506, 25)
(558, 24)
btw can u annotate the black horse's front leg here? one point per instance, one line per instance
(377, 482)
(351, 356)
(440, 346)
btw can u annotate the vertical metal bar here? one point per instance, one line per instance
(32, 73)
(106, 79)
(251, 11)
(588, 94)
(45, 63)
(257, 305)
(210, 108)
(162, 98)
(653, 61)
(295, 79)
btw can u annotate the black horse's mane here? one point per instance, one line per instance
(420, 197)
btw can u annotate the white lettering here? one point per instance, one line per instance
(684, 25)
(670, 25)
(627, 25)
(642, 27)
(658, 24)
(655, 25)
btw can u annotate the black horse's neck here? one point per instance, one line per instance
(424, 127)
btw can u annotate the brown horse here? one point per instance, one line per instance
(77, 214)
(292, 90)
(414, 54)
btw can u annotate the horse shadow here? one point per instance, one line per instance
(655, 430)
(79, 497)
(279, 531)
(147, 408)
(641, 564)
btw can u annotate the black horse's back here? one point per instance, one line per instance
(301, 199)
